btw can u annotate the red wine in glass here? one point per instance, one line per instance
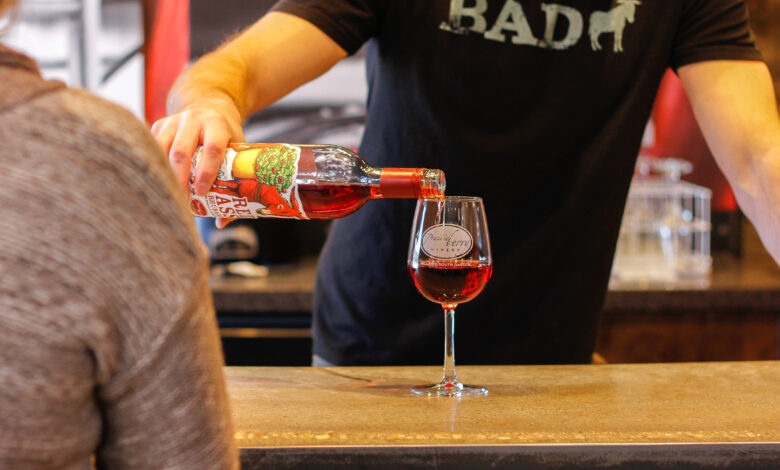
(451, 281)
(450, 263)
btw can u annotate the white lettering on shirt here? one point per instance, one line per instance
(512, 19)
(458, 10)
(552, 11)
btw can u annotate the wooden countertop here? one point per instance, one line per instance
(691, 415)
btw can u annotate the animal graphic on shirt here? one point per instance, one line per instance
(612, 21)
(264, 175)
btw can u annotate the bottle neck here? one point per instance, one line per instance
(416, 183)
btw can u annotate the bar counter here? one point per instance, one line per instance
(639, 416)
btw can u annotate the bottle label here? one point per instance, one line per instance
(258, 181)
(447, 242)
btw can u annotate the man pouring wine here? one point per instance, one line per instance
(513, 100)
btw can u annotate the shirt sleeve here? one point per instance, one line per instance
(714, 30)
(350, 23)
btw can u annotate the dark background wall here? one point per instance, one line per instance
(765, 21)
(212, 21)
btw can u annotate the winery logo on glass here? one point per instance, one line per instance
(447, 242)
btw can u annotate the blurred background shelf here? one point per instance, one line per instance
(91, 44)
(733, 317)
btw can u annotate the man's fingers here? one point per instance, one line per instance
(157, 126)
(183, 147)
(215, 141)
(164, 131)
(181, 133)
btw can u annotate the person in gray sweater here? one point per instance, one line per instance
(109, 349)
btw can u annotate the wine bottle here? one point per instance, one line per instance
(304, 182)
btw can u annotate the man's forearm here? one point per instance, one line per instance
(211, 99)
(265, 62)
(216, 80)
(735, 106)
(758, 195)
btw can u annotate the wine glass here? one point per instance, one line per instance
(450, 263)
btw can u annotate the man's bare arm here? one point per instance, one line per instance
(734, 103)
(210, 100)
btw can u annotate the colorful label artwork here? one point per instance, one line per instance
(252, 183)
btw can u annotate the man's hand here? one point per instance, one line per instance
(210, 100)
(179, 135)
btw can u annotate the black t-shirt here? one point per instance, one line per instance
(537, 107)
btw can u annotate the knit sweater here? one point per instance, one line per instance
(108, 340)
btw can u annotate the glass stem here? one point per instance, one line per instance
(449, 345)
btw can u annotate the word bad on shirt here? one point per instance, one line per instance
(512, 22)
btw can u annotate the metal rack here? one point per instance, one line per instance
(64, 37)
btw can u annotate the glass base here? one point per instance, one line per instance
(449, 389)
